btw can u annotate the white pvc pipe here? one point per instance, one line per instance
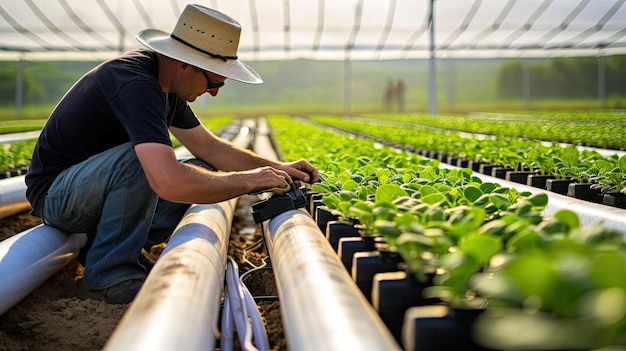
(13, 196)
(22, 136)
(28, 259)
(322, 308)
(177, 308)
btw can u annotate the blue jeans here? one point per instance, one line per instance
(108, 197)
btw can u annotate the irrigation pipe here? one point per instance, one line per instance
(13, 196)
(178, 305)
(321, 307)
(29, 258)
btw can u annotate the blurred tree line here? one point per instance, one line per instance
(320, 84)
(44, 82)
(563, 77)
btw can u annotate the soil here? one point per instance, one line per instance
(53, 318)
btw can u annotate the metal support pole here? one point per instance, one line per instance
(601, 81)
(450, 75)
(19, 87)
(347, 87)
(432, 69)
(526, 84)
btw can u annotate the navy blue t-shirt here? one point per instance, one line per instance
(117, 102)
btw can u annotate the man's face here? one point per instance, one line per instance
(195, 81)
(213, 81)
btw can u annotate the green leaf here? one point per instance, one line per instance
(349, 185)
(387, 228)
(427, 189)
(500, 201)
(389, 192)
(523, 240)
(568, 217)
(384, 210)
(622, 163)
(488, 187)
(472, 193)
(538, 199)
(482, 247)
(432, 199)
(320, 188)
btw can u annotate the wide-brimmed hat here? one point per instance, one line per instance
(204, 38)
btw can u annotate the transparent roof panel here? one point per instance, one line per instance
(328, 29)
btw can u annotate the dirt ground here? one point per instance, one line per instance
(52, 318)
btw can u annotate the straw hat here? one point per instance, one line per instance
(204, 38)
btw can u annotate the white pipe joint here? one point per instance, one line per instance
(322, 308)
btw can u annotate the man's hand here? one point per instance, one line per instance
(270, 179)
(301, 170)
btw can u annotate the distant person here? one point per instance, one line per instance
(389, 95)
(400, 92)
(104, 163)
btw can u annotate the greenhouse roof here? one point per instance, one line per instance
(326, 29)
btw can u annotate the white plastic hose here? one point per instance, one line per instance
(240, 309)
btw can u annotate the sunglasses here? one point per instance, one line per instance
(209, 83)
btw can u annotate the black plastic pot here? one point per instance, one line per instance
(485, 168)
(395, 292)
(475, 166)
(614, 199)
(500, 172)
(310, 198)
(322, 216)
(451, 160)
(462, 163)
(349, 246)
(428, 328)
(365, 265)
(558, 186)
(584, 192)
(439, 327)
(336, 230)
(538, 180)
(518, 177)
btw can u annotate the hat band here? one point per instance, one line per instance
(225, 58)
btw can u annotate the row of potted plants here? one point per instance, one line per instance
(480, 246)
(603, 175)
(15, 158)
(592, 128)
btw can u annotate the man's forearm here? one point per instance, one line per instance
(226, 156)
